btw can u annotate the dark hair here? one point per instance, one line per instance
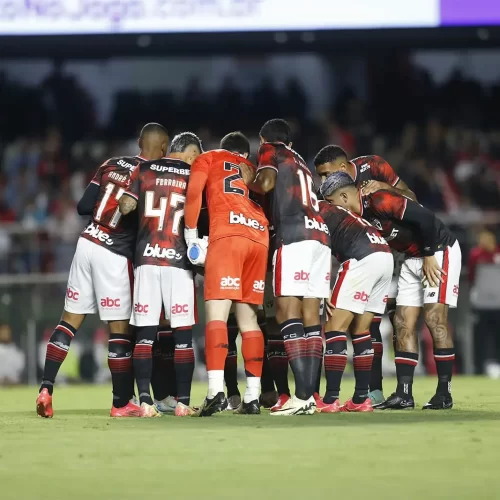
(181, 141)
(236, 142)
(276, 130)
(335, 181)
(328, 154)
(153, 128)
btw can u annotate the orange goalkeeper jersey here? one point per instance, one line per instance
(230, 210)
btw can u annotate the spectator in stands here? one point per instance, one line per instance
(484, 272)
(12, 360)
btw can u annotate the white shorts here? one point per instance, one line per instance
(162, 286)
(99, 281)
(399, 258)
(362, 285)
(411, 291)
(302, 269)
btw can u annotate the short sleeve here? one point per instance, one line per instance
(382, 171)
(267, 157)
(98, 175)
(388, 205)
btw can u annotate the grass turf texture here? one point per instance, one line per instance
(82, 453)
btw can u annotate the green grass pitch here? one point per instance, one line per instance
(83, 454)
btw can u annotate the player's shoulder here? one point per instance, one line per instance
(270, 148)
(126, 162)
(369, 160)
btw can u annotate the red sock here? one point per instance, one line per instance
(252, 348)
(216, 345)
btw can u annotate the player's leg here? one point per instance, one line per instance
(318, 289)
(146, 316)
(278, 360)
(268, 396)
(336, 329)
(163, 382)
(436, 304)
(112, 276)
(80, 301)
(252, 349)
(222, 286)
(409, 305)
(376, 388)
(178, 293)
(231, 365)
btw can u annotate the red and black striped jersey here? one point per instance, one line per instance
(295, 206)
(352, 237)
(108, 227)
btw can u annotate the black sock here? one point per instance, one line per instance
(378, 352)
(231, 365)
(317, 388)
(266, 379)
(405, 370)
(445, 359)
(335, 363)
(294, 338)
(163, 380)
(120, 365)
(314, 346)
(143, 362)
(57, 350)
(362, 361)
(278, 364)
(184, 363)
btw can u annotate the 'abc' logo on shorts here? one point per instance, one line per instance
(229, 283)
(362, 296)
(71, 294)
(141, 308)
(259, 285)
(109, 302)
(180, 309)
(301, 276)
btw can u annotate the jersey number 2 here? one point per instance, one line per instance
(162, 212)
(228, 181)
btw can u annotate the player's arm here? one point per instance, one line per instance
(194, 195)
(384, 177)
(400, 208)
(88, 200)
(265, 179)
(128, 200)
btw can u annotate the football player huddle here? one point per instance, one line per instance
(265, 252)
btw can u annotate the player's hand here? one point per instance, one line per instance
(247, 173)
(433, 274)
(373, 186)
(190, 235)
(197, 251)
(329, 308)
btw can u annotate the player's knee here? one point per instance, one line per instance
(75, 320)
(119, 327)
(288, 308)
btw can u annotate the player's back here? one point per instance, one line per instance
(295, 210)
(160, 187)
(108, 227)
(352, 237)
(230, 210)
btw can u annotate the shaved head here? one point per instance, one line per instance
(153, 140)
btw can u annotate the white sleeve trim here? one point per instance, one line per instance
(266, 166)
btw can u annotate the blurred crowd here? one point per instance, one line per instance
(444, 140)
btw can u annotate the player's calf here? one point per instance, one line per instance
(120, 350)
(184, 363)
(378, 353)
(143, 363)
(335, 363)
(57, 350)
(163, 381)
(436, 318)
(231, 364)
